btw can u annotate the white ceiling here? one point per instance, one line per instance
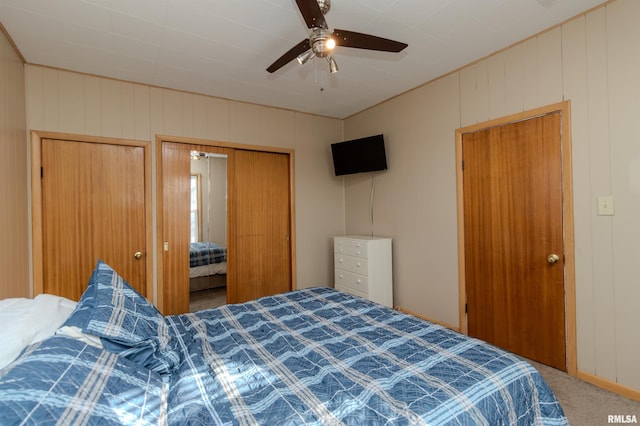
(222, 47)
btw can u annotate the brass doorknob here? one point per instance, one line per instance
(137, 255)
(553, 258)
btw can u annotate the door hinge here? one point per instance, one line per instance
(462, 165)
(466, 308)
(41, 172)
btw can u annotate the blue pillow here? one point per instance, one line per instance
(61, 379)
(128, 324)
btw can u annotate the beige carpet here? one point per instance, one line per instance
(585, 404)
(206, 299)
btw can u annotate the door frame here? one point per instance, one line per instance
(564, 108)
(36, 201)
(217, 144)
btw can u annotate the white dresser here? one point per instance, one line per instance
(363, 267)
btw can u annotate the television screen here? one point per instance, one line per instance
(359, 155)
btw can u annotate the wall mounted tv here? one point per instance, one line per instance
(359, 155)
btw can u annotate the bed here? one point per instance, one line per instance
(312, 356)
(207, 266)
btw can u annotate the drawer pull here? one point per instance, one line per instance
(341, 276)
(359, 281)
(340, 260)
(358, 264)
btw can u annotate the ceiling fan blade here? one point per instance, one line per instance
(311, 13)
(365, 41)
(291, 54)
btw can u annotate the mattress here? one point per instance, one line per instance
(206, 270)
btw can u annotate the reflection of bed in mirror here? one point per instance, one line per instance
(207, 266)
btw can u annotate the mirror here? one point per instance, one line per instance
(208, 236)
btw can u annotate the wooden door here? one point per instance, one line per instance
(513, 226)
(93, 207)
(176, 173)
(262, 231)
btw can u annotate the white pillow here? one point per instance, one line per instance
(55, 309)
(76, 333)
(24, 321)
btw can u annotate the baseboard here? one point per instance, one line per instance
(614, 387)
(407, 311)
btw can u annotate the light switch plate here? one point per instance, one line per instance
(605, 205)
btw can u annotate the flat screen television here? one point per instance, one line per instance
(359, 155)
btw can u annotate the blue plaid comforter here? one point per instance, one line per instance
(205, 253)
(313, 356)
(319, 356)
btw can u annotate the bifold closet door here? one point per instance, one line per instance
(175, 227)
(93, 207)
(262, 231)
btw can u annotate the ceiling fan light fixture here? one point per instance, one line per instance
(333, 66)
(319, 42)
(330, 44)
(304, 58)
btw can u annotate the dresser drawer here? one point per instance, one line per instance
(352, 291)
(351, 263)
(350, 247)
(352, 281)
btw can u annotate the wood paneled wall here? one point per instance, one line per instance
(14, 231)
(592, 60)
(63, 101)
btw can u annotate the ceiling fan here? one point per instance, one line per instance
(321, 41)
